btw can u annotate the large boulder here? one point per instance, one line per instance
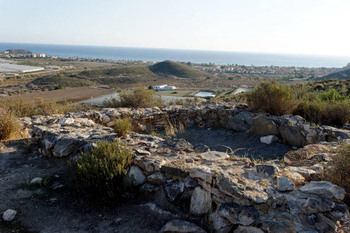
(324, 189)
(263, 126)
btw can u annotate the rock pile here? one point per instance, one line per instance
(229, 193)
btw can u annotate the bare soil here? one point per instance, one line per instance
(41, 209)
(71, 94)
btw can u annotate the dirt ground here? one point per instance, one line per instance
(71, 94)
(244, 144)
(42, 209)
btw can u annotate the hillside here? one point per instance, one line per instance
(177, 69)
(342, 74)
(18, 51)
(120, 71)
(60, 81)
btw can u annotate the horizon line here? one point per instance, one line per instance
(203, 50)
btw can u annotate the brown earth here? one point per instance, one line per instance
(71, 94)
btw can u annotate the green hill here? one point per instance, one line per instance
(177, 69)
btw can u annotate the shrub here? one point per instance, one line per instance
(103, 171)
(338, 170)
(272, 98)
(9, 125)
(122, 126)
(139, 98)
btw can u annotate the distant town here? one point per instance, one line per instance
(292, 72)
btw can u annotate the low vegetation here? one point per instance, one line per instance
(102, 172)
(139, 98)
(61, 81)
(338, 170)
(272, 98)
(122, 126)
(321, 107)
(9, 125)
(21, 108)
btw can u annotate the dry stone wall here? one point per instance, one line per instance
(225, 192)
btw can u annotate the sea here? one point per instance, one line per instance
(194, 56)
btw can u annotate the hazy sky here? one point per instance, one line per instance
(275, 26)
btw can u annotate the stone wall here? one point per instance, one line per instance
(225, 192)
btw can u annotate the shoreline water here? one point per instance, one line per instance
(194, 56)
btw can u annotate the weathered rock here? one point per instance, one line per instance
(36, 180)
(156, 178)
(294, 176)
(213, 156)
(201, 148)
(237, 214)
(66, 121)
(266, 170)
(136, 175)
(190, 183)
(203, 173)
(324, 189)
(305, 153)
(180, 226)
(263, 126)
(268, 139)
(220, 224)
(200, 202)
(245, 229)
(173, 189)
(9, 215)
(314, 205)
(284, 184)
(239, 187)
(293, 135)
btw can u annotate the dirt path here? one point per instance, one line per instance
(42, 209)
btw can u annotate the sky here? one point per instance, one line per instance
(268, 26)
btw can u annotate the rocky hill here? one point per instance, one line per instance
(18, 51)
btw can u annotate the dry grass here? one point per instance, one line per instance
(9, 125)
(173, 127)
(122, 126)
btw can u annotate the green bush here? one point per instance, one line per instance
(139, 98)
(272, 98)
(103, 171)
(122, 126)
(9, 125)
(338, 170)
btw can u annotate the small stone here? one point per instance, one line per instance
(37, 180)
(66, 121)
(284, 184)
(9, 215)
(136, 174)
(266, 170)
(180, 226)
(173, 189)
(268, 139)
(156, 178)
(245, 229)
(312, 219)
(118, 221)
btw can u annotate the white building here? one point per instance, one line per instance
(164, 87)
